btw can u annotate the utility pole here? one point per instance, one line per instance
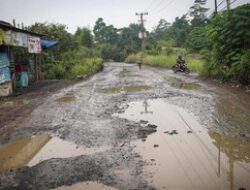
(142, 34)
(228, 4)
(215, 4)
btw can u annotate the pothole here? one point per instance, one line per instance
(129, 89)
(15, 103)
(65, 99)
(90, 185)
(179, 83)
(127, 73)
(32, 150)
(182, 153)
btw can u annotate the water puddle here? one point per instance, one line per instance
(234, 109)
(20, 152)
(184, 155)
(66, 99)
(14, 103)
(127, 73)
(33, 150)
(179, 83)
(129, 89)
(86, 186)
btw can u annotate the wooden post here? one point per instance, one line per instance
(215, 7)
(35, 67)
(228, 4)
(40, 66)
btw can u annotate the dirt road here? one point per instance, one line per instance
(126, 129)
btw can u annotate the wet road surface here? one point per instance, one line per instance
(126, 128)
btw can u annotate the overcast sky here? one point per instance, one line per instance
(75, 13)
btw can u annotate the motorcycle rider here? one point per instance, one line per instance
(180, 62)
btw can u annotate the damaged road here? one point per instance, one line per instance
(126, 128)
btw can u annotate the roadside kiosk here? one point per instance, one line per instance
(14, 74)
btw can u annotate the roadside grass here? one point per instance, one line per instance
(73, 69)
(195, 64)
(85, 67)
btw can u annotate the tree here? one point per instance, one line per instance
(198, 13)
(83, 37)
(104, 33)
(54, 32)
(179, 30)
(98, 30)
(230, 38)
(197, 39)
(128, 40)
(160, 31)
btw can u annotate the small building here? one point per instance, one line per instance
(17, 73)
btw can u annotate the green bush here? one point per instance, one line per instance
(160, 60)
(229, 36)
(84, 67)
(59, 71)
(131, 58)
(196, 65)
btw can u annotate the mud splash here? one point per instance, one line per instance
(86, 185)
(128, 89)
(33, 150)
(187, 156)
(65, 99)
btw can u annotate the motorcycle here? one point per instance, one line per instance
(181, 68)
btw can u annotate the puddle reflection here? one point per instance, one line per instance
(65, 99)
(33, 150)
(146, 107)
(86, 186)
(196, 160)
(128, 89)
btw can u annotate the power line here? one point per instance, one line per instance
(210, 13)
(188, 11)
(163, 8)
(152, 2)
(220, 3)
(228, 5)
(233, 2)
(157, 5)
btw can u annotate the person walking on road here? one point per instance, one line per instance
(140, 61)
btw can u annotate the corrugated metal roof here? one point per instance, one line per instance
(7, 26)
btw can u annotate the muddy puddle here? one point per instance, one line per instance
(14, 103)
(184, 155)
(90, 185)
(179, 83)
(234, 110)
(128, 73)
(33, 150)
(128, 89)
(65, 99)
